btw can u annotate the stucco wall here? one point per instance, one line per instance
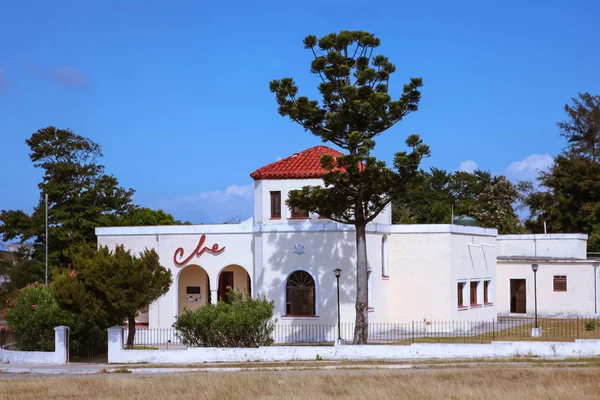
(473, 259)
(60, 355)
(550, 245)
(235, 239)
(322, 253)
(419, 277)
(427, 262)
(579, 298)
(262, 201)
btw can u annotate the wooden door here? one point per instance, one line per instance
(518, 296)
(225, 280)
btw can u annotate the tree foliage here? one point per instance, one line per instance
(113, 285)
(569, 201)
(81, 197)
(582, 129)
(355, 108)
(32, 316)
(241, 322)
(488, 198)
(142, 216)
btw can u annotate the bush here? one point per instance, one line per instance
(243, 322)
(590, 325)
(32, 316)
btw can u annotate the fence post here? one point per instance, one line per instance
(61, 344)
(493, 329)
(578, 327)
(413, 331)
(115, 344)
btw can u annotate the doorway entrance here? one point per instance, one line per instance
(225, 285)
(518, 296)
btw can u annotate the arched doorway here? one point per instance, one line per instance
(233, 277)
(194, 289)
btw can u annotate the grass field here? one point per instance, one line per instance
(468, 383)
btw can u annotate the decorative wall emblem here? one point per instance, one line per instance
(200, 248)
(299, 249)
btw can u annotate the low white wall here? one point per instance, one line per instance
(579, 348)
(562, 245)
(59, 356)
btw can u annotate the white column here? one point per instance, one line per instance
(214, 297)
(61, 344)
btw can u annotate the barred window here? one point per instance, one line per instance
(300, 294)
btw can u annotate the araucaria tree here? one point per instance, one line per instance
(355, 108)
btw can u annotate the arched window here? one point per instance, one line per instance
(385, 270)
(300, 294)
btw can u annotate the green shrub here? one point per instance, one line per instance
(590, 325)
(243, 322)
(32, 316)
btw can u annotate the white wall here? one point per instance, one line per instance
(262, 201)
(426, 263)
(59, 356)
(579, 348)
(236, 239)
(473, 259)
(558, 245)
(577, 300)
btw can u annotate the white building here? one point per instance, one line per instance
(418, 272)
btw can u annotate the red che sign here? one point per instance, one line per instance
(200, 248)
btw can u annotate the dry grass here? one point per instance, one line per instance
(486, 383)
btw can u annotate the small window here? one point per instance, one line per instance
(370, 305)
(275, 205)
(297, 212)
(461, 287)
(385, 273)
(486, 292)
(192, 290)
(474, 286)
(560, 283)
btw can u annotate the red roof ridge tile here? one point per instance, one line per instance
(302, 165)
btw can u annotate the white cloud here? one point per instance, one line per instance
(211, 206)
(529, 167)
(467, 166)
(240, 190)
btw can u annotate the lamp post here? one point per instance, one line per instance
(535, 332)
(337, 273)
(595, 265)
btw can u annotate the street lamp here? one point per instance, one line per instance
(595, 265)
(337, 273)
(535, 332)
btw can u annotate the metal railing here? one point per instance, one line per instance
(501, 329)
(162, 338)
(6, 340)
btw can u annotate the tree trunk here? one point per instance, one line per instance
(131, 328)
(361, 327)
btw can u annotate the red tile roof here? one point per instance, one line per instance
(303, 165)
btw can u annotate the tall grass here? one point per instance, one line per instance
(486, 383)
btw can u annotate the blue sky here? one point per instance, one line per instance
(177, 92)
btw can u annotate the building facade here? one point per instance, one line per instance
(417, 272)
